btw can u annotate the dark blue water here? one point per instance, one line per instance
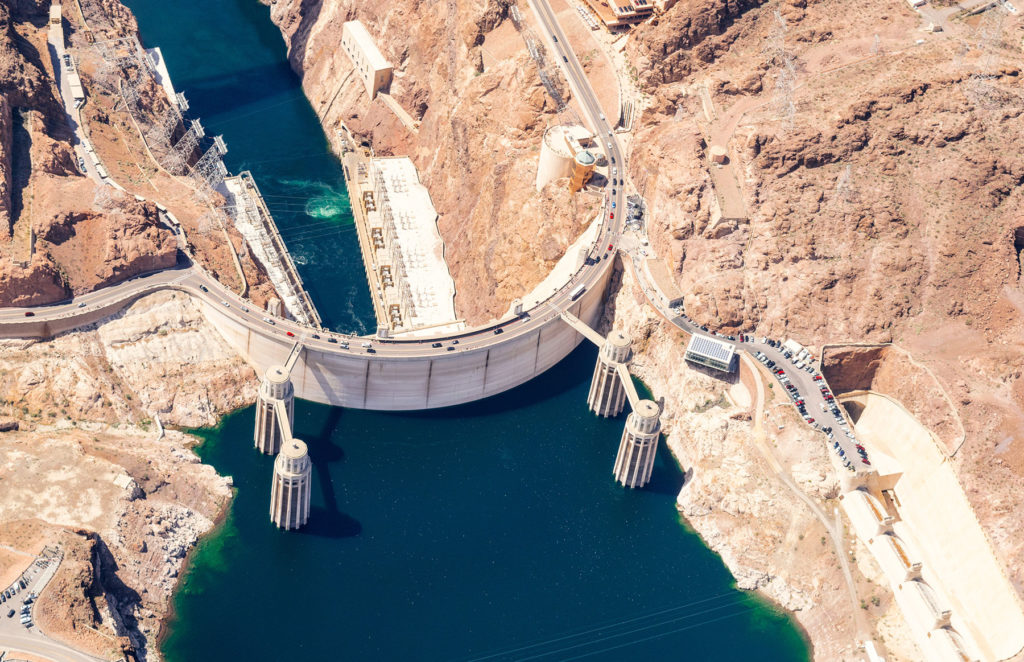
(491, 531)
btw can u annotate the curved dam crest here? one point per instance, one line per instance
(492, 529)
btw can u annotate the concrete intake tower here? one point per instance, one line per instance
(289, 497)
(276, 387)
(639, 445)
(607, 392)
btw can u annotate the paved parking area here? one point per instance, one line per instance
(810, 394)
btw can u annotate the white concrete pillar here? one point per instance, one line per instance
(276, 385)
(607, 394)
(290, 492)
(635, 460)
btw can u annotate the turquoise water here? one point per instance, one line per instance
(491, 531)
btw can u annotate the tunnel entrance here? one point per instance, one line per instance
(854, 409)
(1018, 249)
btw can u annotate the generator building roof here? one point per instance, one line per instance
(711, 352)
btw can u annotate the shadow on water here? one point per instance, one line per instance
(667, 478)
(242, 88)
(573, 371)
(328, 521)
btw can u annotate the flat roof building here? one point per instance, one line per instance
(423, 292)
(711, 352)
(370, 65)
(617, 13)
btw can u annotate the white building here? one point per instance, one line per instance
(412, 249)
(370, 65)
(711, 352)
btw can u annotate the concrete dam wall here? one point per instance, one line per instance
(357, 379)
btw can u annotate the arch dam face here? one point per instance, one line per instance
(481, 364)
(396, 375)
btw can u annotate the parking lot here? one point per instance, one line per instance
(796, 375)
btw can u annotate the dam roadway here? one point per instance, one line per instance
(390, 374)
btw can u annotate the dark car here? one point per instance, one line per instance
(451, 348)
(333, 340)
(435, 345)
(10, 613)
(29, 313)
(316, 337)
(370, 350)
(499, 330)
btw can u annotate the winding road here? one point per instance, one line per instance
(46, 320)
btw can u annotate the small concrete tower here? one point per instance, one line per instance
(289, 496)
(607, 394)
(639, 445)
(276, 386)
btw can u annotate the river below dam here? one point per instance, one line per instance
(491, 531)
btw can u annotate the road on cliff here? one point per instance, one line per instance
(22, 322)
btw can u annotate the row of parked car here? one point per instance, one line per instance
(828, 406)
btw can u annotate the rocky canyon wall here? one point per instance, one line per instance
(86, 404)
(880, 180)
(463, 72)
(88, 238)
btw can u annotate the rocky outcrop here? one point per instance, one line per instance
(480, 125)
(6, 144)
(88, 456)
(98, 248)
(769, 539)
(689, 34)
(158, 357)
(38, 283)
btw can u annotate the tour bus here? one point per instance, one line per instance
(577, 292)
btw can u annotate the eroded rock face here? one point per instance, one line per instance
(88, 236)
(481, 117)
(85, 404)
(690, 33)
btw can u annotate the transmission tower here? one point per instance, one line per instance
(209, 170)
(980, 86)
(186, 146)
(785, 71)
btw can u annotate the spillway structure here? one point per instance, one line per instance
(289, 495)
(275, 420)
(612, 385)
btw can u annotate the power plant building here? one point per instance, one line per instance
(418, 288)
(710, 352)
(371, 66)
(564, 153)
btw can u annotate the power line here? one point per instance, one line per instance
(608, 625)
(676, 619)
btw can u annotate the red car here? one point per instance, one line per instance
(817, 378)
(29, 313)
(289, 334)
(611, 215)
(609, 246)
(799, 403)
